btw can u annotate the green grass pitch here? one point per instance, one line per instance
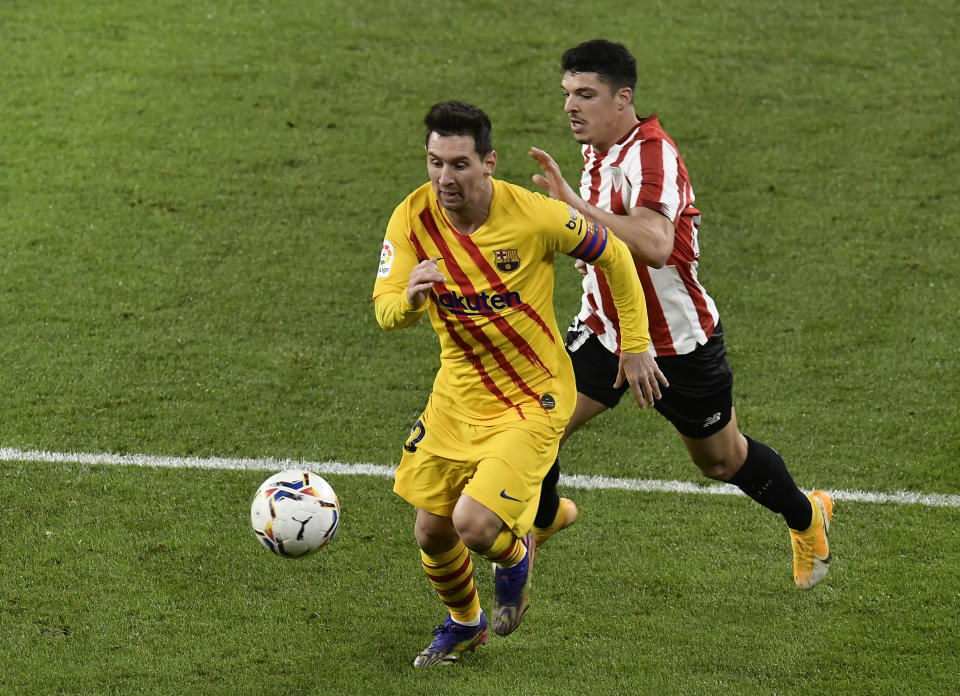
(192, 199)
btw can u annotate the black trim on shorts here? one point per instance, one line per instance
(699, 400)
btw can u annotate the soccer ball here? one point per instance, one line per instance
(294, 513)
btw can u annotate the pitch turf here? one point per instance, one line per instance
(193, 198)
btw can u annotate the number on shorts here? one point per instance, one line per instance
(416, 434)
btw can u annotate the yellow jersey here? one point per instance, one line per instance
(502, 356)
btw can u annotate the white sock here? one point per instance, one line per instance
(475, 622)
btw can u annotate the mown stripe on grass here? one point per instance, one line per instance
(340, 468)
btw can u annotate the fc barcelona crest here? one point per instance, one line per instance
(507, 260)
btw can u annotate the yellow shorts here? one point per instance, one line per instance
(500, 466)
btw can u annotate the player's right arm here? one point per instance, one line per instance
(647, 234)
(403, 284)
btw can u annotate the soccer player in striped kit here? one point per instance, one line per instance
(635, 183)
(476, 254)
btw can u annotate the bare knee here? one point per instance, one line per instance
(722, 470)
(476, 524)
(477, 537)
(434, 534)
(721, 455)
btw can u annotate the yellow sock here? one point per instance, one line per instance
(451, 574)
(507, 550)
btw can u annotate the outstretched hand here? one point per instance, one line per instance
(643, 374)
(552, 179)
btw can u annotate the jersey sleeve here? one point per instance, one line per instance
(397, 259)
(589, 241)
(656, 169)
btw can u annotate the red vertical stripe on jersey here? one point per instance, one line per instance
(616, 194)
(606, 299)
(594, 176)
(592, 320)
(476, 362)
(651, 188)
(422, 255)
(616, 202)
(485, 378)
(467, 288)
(694, 290)
(477, 332)
(650, 147)
(595, 324)
(496, 283)
(659, 331)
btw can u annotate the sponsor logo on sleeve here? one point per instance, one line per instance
(386, 259)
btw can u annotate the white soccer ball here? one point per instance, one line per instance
(294, 513)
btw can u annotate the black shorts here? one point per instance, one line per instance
(699, 400)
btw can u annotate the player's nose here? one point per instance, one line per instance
(446, 175)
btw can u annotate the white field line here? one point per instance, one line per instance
(339, 468)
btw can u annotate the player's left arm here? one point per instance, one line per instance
(637, 366)
(594, 244)
(647, 233)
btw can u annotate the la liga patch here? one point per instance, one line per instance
(386, 259)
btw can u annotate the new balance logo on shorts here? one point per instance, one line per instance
(712, 420)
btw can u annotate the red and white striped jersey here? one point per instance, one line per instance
(645, 169)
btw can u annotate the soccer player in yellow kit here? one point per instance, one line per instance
(476, 254)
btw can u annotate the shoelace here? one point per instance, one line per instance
(444, 628)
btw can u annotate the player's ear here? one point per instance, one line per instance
(490, 163)
(624, 97)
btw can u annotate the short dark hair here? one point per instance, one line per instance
(460, 118)
(612, 62)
